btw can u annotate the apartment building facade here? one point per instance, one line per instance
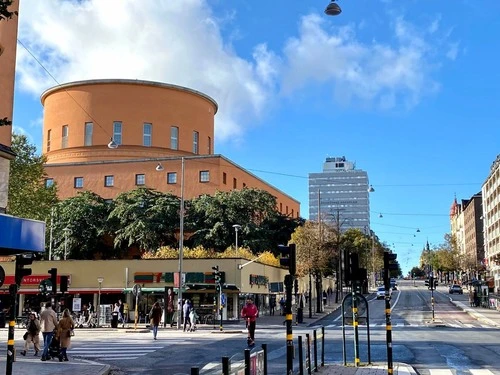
(491, 220)
(339, 195)
(473, 237)
(8, 48)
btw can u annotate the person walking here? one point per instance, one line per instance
(32, 334)
(48, 323)
(186, 309)
(250, 313)
(155, 317)
(64, 332)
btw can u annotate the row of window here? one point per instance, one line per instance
(140, 179)
(147, 134)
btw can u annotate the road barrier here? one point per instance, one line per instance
(317, 343)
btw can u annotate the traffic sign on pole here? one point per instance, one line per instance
(136, 291)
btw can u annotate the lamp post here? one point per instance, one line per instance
(99, 280)
(66, 232)
(181, 246)
(159, 168)
(236, 228)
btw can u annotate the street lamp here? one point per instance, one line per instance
(333, 9)
(99, 280)
(66, 231)
(236, 228)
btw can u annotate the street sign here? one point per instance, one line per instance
(45, 286)
(136, 291)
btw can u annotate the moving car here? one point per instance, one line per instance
(456, 289)
(381, 292)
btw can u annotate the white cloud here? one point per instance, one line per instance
(383, 74)
(170, 41)
(453, 51)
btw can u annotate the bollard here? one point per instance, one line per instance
(309, 362)
(247, 361)
(195, 371)
(315, 351)
(264, 348)
(301, 359)
(226, 365)
(322, 346)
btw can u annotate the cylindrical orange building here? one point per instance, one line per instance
(151, 123)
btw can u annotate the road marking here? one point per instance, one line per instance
(441, 371)
(480, 372)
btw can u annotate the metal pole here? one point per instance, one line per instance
(247, 361)
(264, 348)
(65, 243)
(322, 346)
(236, 229)
(388, 324)
(289, 334)
(99, 305)
(355, 324)
(226, 364)
(11, 350)
(315, 340)
(301, 357)
(181, 247)
(310, 292)
(51, 231)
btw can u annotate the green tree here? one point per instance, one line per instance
(210, 220)
(5, 14)
(28, 195)
(145, 218)
(81, 228)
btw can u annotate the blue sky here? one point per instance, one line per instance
(407, 89)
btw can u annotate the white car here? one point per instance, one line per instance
(381, 292)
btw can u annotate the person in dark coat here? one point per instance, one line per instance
(155, 316)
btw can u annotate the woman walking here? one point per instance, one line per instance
(155, 316)
(64, 332)
(32, 334)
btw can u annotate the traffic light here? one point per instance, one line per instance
(21, 261)
(53, 279)
(390, 264)
(351, 267)
(218, 277)
(288, 258)
(64, 284)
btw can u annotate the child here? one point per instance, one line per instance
(193, 316)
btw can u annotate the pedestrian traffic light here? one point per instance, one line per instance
(21, 261)
(217, 275)
(288, 258)
(64, 284)
(53, 279)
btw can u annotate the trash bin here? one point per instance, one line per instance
(300, 315)
(114, 319)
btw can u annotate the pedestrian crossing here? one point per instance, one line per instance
(446, 371)
(452, 324)
(111, 351)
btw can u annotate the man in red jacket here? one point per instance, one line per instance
(250, 314)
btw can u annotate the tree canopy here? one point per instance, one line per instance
(28, 195)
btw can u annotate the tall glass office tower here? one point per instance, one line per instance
(340, 193)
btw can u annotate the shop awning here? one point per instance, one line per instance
(187, 289)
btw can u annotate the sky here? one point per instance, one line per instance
(406, 89)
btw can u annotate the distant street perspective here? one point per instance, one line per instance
(249, 187)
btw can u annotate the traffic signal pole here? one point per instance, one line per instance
(12, 323)
(289, 333)
(389, 264)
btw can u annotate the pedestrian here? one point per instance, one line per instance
(48, 323)
(32, 334)
(186, 309)
(306, 294)
(64, 332)
(282, 306)
(155, 317)
(325, 296)
(250, 313)
(272, 305)
(120, 311)
(193, 318)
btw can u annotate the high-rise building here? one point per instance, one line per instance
(339, 195)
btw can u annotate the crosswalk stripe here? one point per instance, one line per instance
(440, 371)
(480, 371)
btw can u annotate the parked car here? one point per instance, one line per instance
(456, 289)
(381, 292)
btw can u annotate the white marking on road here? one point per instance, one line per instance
(440, 371)
(480, 372)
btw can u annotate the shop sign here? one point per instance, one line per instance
(259, 280)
